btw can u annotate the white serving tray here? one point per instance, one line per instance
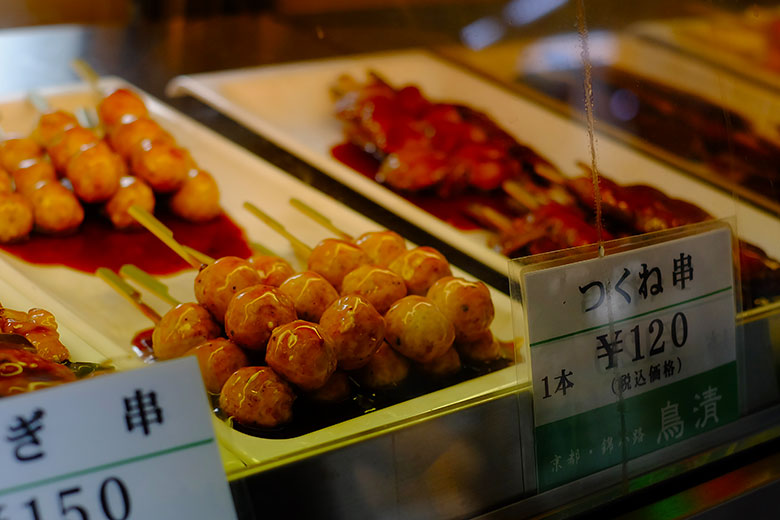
(241, 177)
(290, 105)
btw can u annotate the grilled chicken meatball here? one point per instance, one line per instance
(218, 359)
(310, 293)
(95, 172)
(182, 328)
(254, 313)
(127, 139)
(382, 247)
(27, 178)
(381, 287)
(415, 327)
(354, 328)
(162, 165)
(56, 208)
(336, 390)
(16, 217)
(70, 143)
(334, 258)
(53, 124)
(132, 192)
(216, 284)
(121, 107)
(257, 396)
(446, 365)
(420, 268)
(467, 304)
(299, 353)
(386, 369)
(197, 199)
(273, 270)
(14, 152)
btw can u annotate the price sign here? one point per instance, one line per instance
(630, 352)
(131, 445)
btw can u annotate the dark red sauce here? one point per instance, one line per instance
(142, 345)
(98, 244)
(451, 209)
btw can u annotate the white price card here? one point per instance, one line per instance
(130, 445)
(630, 352)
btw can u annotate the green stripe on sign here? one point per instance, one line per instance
(590, 329)
(102, 467)
(571, 448)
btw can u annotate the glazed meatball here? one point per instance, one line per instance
(95, 173)
(336, 390)
(216, 284)
(127, 139)
(6, 182)
(298, 352)
(354, 329)
(420, 268)
(254, 313)
(121, 107)
(218, 359)
(467, 304)
(334, 258)
(382, 247)
(386, 369)
(381, 287)
(310, 293)
(482, 348)
(14, 152)
(28, 177)
(55, 208)
(132, 192)
(197, 200)
(273, 270)
(415, 327)
(162, 165)
(448, 364)
(257, 396)
(70, 143)
(53, 124)
(16, 217)
(185, 326)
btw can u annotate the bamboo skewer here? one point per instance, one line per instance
(161, 231)
(126, 290)
(300, 249)
(318, 218)
(149, 282)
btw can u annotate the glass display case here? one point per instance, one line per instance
(329, 208)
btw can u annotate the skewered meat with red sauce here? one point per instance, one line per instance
(182, 328)
(70, 143)
(386, 369)
(51, 125)
(426, 145)
(40, 329)
(94, 173)
(382, 247)
(27, 178)
(415, 327)
(481, 348)
(380, 287)
(334, 258)
(16, 217)
(121, 107)
(257, 396)
(127, 139)
(22, 371)
(298, 352)
(273, 270)
(197, 199)
(253, 314)
(14, 152)
(310, 293)
(446, 365)
(218, 359)
(420, 268)
(354, 328)
(56, 208)
(132, 192)
(466, 304)
(163, 165)
(336, 390)
(217, 283)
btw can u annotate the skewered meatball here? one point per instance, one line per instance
(254, 313)
(132, 192)
(56, 208)
(310, 293)
(354, 329)
(16, 217)
(95, 173)
(415, 327)
(162, 165)
(6, 182)
(185, 326)
(298, 352)
(336, 390)
(197, 200)
(334, 258)
(273, 270)
(381, 287)
(51, 125)
(218, 359)
(28, 177)
(14, 152)
(68, 144)
(127, 139)
(467, 304)
(482, 348)
(121, 107)
(382, 247)
(446, 365)
(257, 396)
(216, 284)
(385, 369)
(420, 268)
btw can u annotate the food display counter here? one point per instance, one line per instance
(325, 218)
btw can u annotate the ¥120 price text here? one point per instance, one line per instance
(109, 501)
